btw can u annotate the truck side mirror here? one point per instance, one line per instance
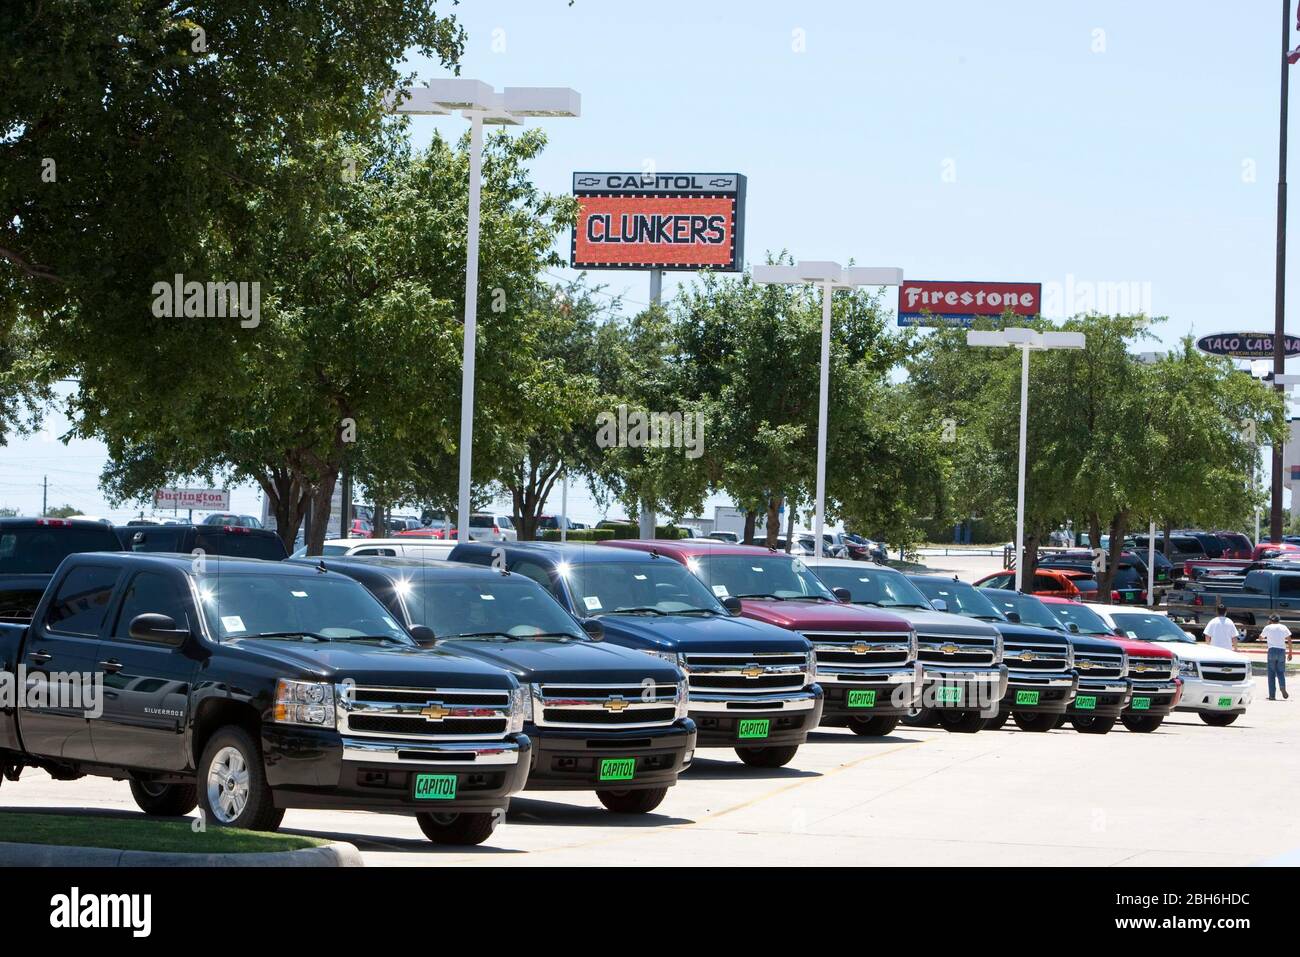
(938, 604)
(1074, 628)
(1013, 616)
(424, 636)
(732, 604)
(159, 629)
(594, 629)
(843, 594)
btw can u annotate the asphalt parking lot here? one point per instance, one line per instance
(1188, 794)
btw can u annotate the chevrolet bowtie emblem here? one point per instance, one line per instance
(1084, 665)
(434, 712)
(861, 648)
(753, 671)
(949, 649)
(615, 704)
(1139, 667)
(1027, 655)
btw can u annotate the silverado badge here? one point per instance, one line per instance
(615, 704)
(434, 712)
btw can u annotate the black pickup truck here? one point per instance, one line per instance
(601, 717)
(30, 551)
(249, 687)
(237, 541)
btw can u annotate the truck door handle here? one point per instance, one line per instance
(40, 657)
(112, 666)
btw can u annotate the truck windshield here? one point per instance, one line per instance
(759, 576)
(1089, 622)
(514, 607)
(240, 545)
(1030, 609)
(657, 587)
(38, 550)
(1148, 627)
(961, 598)
(871, 586)
(317, 607)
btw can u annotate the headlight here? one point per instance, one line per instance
(1187, 668)
(683, 700)
(811, 667)
(672, 657)
(998, 647)
(913, 646)
(1069, 657)
(1123, 665)
(521, 708)
(304, 702)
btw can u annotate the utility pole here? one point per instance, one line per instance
(1279, 301)
(45, 496)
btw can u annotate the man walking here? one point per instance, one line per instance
(1221, 631)
(1278, 637)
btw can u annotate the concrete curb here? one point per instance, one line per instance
(338, 854)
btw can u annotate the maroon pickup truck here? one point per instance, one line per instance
(866, 659)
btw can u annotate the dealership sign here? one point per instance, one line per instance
(1245, 345)
(928, 303)
(215, 499)
(659, 221)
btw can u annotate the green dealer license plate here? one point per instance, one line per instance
(435, 787)
(1225, 702)
(1141, 704)
(1086, 702)
(1129, 595)
(617, 769)
(753, 727)
(1027, 697)
(862, 699)
(947, 695)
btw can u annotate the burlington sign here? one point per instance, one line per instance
(1245, 345)
(929, 303)
(659, 221)
(215, 499)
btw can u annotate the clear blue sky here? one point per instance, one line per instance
(1101, 143)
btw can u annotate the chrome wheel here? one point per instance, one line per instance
(228, 785)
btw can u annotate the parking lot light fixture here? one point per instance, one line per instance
(1025, 340)
(830, 276)
(479, 103)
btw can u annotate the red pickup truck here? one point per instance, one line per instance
(866, 659)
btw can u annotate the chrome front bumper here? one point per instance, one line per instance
(477, 753)
(720, 703)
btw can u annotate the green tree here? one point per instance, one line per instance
(63, 511)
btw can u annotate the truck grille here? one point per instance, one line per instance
(1227, 671)
(740, 674)
(1151, 669)
(949, 650)
(604, 705)
(1093, 664)
(425, 714)
(860, 649)
(1036, 656)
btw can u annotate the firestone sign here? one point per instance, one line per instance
(659, 221)
(930, 303)
(214, 499)
(1245, 345)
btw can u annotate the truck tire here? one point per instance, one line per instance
(232, 783)
(961, 722)
(1216, 720)
(768, 757)
(921, 718)
(995, 723)
(632, 802)
(1060, 721)
(1035, 721)
(876, 727)
(1141, 723)
(1092, 725)
(165, 800)
(463, 828)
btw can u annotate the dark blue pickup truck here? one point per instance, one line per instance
(601, 717)
(752, 685)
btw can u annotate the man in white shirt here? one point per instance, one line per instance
(1278, 637)
(1220, 631)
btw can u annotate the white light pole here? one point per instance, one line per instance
(479, 104)
(830, 276)
(1025, 340)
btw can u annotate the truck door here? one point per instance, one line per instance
(61, 657)
(147, 684)
(1288, 599)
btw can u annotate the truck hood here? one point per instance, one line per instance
(822, 616)
(1198, 651)
(944, 623)
(1151, 649)
(585, 662)
(371, 664)
(699, 634)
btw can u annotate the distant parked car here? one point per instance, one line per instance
(411, 547)
(730, 537)
(1128, 586)
(232, 518)
(1048, 582)
(1237, 544)
(1181, 547)
(484, 527)
(235, 541)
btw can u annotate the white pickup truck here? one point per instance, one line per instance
(1216, 681)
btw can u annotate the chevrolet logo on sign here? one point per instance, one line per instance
(753, 671)
(434, 712)
(615, 704)
(861, 648)
(949, 649)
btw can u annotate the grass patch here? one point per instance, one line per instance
(142, 834)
